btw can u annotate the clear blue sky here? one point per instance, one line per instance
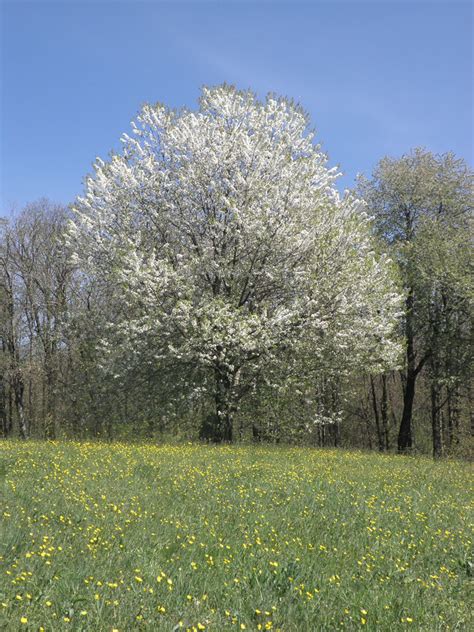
(377, 77)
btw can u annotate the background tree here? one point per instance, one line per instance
(12, 309)
(35, 277)
(422, 204)
(446, 271)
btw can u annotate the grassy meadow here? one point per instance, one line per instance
(130, 537)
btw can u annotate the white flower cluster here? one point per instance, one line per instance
(226, 237)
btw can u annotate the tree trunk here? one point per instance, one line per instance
(369, 430)
(3, 408)
(471, 409)
(10, 409)
(49, 394)
(384, 412)
(436, 422)
(223, 407)
(218, 427)
(256, 433)
(405, 439)
(376, 415)
(18, 390)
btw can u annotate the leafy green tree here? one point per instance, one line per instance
(422, 204)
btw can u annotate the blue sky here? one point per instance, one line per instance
(377, 77)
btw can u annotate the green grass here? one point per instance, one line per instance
(126, 537)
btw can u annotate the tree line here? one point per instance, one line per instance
(212, 283)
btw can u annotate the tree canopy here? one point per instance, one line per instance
(225, 236)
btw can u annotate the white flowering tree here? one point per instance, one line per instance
(230, 247)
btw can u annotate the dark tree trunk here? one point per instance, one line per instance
(10, 409)
(321, 435)
(218, 427)
(384, 412)
(366, 416)
(471, 409)
(335, 405)
(150, 426)
(380, 440)
(18, 390)
(436, 422)
(3, 408)
(405, 438)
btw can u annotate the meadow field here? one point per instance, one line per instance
(130, 537)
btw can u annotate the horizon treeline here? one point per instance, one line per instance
(108, 331)
(52, 384)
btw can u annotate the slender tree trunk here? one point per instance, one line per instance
(241, 429)
(376, 415)
(18, 390)
(335, 406)
(3, 408)
(405, 438)
(449, 430)
(436, 422)
(10, 409)
(30, 386)
(49, 393)
(384, 412)
(150, 425)
(470, 403)
(369, 430)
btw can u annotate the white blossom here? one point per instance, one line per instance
(228, 241)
